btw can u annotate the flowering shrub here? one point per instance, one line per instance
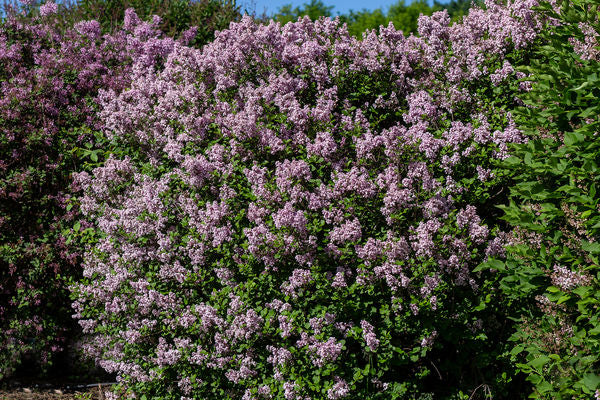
(293, 213)
(48, 80)
(552, 268)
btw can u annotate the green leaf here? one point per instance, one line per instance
(593, 248)
(357, 375)
(595, 330)
(591, 381)
(582, 291)
(588, 111)
(513, 161)
(544, 387)
(491, 264)
(517, 349)
(572, 138)
(582, 86)
(539, 362)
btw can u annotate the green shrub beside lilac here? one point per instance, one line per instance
(48, 82)
(551, 270)
(294, 213)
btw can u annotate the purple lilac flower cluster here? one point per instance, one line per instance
(567, 280)
(268, 201)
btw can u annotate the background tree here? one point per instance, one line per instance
(360, 21)
(314, 10)
(457, 8)
(404, 17)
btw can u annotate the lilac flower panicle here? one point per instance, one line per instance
(48, 8)
(369, 335)
(289, 391)
(299, 278)
(324, 352)
(567, 280)
(339, 390)
(91, 28)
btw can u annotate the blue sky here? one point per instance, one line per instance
(340, 6)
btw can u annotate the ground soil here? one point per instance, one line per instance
(50, 394)
(66, 381)
(54, 389)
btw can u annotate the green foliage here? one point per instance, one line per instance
(551, 274)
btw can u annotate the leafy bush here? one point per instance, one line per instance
(293, 213)
(552, 270)
(48, 81)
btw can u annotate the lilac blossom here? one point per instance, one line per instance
(48, 8)
(349, 232)
(299, 278)
(567, 280)
(339, 390)
(279, 356)
(324, 352)
(420, 106)
(369, 335)
(289, 391)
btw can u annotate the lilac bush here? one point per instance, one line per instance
(48, 81)
(294, 213)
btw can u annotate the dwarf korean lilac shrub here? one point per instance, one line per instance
(299, 211)
(48, 79)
